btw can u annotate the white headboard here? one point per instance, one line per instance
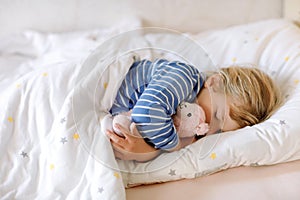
(182, 15)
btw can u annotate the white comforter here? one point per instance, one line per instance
(45, 133)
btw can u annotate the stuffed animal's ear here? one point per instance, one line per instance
(202, 129)
(123, 120)
(106, 123)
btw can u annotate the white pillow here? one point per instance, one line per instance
(272, 45)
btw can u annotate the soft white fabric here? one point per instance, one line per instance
(274, 46)
(50, 141)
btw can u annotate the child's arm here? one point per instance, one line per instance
(171, 83)
(132, 146)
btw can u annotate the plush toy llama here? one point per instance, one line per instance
(189, 120)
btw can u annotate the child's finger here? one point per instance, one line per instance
(118, 154)
(122, 155)
(115, 138)
(124, 131)
(117, 148)
(131, 134)
(134, 130)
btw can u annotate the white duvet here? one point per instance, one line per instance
(44, 151)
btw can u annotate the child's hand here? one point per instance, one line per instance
(132, 146)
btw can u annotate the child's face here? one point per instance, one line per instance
(216, 107)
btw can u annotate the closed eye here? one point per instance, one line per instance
(219, 131)
(219, 115)
(216, 116)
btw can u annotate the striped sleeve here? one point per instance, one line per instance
(132, 87)
(170, 84)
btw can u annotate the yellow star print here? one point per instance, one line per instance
(10, 119)
(45, 74)
(18, 85)
(76, 136)
(296, 81)
(105, 85)
(117, 175)
(234, 59)
(286, 59)
(51, 166)
(213, 156)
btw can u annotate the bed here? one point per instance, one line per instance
(60, 72)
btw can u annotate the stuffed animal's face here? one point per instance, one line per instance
(190, 120)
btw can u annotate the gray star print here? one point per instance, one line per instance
(63, 120)
(100, 190)
(63, 140)
(172, 172)
(282, 122)
(24, 154)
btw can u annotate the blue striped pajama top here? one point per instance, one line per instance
(153, 90)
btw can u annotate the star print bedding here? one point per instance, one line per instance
(44, 131)
(55, 89)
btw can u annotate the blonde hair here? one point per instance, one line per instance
(253, 92)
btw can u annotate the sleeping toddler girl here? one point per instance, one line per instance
(232, 98)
